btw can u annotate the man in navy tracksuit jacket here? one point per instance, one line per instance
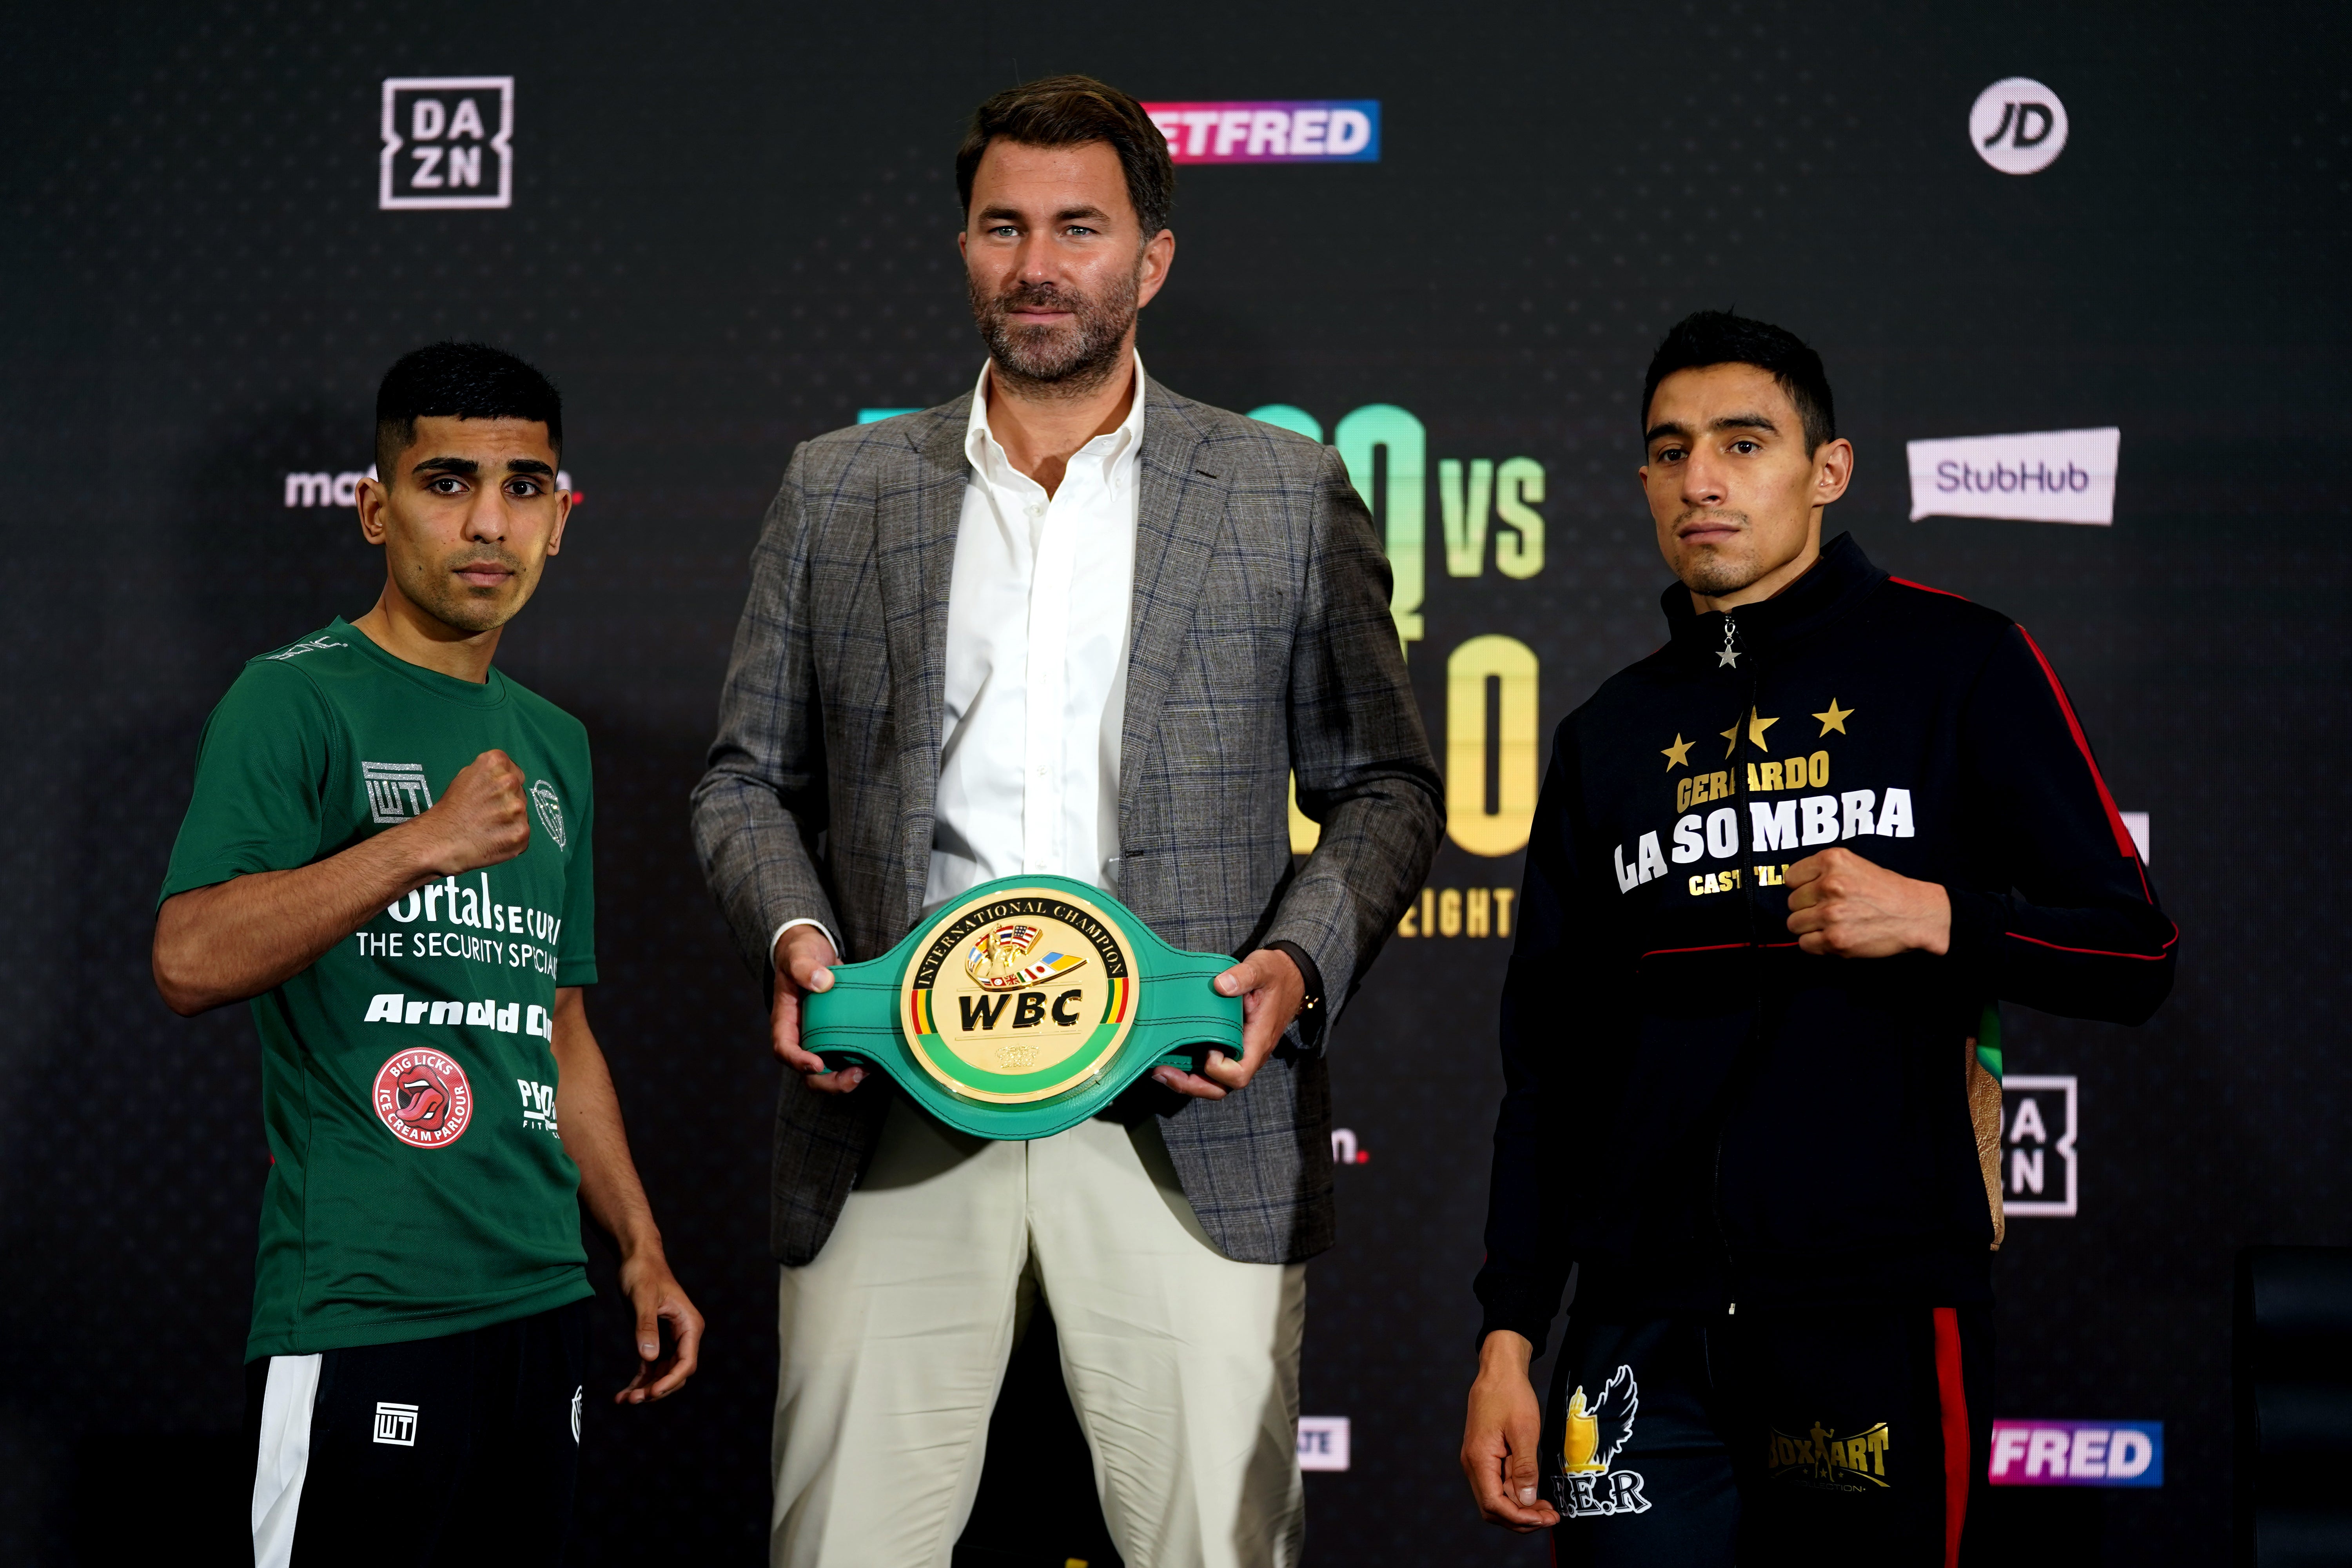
(1780, 870)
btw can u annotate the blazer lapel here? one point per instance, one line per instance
(916, 517)
(1180, 511)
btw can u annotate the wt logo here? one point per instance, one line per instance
(448, 142)
(396, 1424)
(2018, 126)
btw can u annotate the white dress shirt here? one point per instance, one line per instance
(1036, 663)
(1038, 614)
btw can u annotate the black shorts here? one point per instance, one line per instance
(1785, 1434)
(456, 1450)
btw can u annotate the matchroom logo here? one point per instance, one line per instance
(1282, 130)
(448, 142)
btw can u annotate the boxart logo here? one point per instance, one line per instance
(1283, 130)
(2018, 126)
(448, 142)
(2042, 475)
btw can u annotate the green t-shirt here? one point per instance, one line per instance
(417, 1184)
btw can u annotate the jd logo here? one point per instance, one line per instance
(448, 142)
(1592, 1437)
(2037, 1145)
(2018, 126)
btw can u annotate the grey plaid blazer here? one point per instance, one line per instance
(1261, 644)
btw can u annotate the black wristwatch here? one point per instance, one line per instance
(1310, 1006)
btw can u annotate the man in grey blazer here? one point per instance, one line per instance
(1070, 623)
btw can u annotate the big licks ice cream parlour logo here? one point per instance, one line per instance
(423, 1097)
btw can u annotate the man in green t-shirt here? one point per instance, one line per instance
(388, 851)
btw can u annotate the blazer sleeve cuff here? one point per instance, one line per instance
(778, 935)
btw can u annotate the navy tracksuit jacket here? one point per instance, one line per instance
(1699, 1113)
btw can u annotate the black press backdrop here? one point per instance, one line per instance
(732, 229)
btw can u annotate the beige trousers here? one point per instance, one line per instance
(1182, 1363)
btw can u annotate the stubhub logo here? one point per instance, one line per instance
(2042, 476)
(2077, 1453)
(1282, 130)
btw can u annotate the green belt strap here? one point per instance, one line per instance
(1023, 1007)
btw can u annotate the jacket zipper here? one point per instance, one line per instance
(1734, 655)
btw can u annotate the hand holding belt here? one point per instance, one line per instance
(1023, 1007)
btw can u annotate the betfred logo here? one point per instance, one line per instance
(423, 1097)
(1280, 130)
(448, 141)
(2077, 1453)
(2042, 476)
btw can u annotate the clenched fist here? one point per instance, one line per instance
(481, 819)
(1843, 906)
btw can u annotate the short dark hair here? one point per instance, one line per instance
(1068, 111)
(459, 381)
(1717, 337)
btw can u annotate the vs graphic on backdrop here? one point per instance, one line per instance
(1282, 130)
(448, 141)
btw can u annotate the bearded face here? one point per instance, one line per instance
(1071, 356)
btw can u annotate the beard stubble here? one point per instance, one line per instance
(1071, 361)
(1712, 570)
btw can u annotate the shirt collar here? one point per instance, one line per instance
(982, 449)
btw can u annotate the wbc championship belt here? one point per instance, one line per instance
(1023, 1007)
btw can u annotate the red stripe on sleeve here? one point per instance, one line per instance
(1923, 587)
(1954, 1400)
(2156, 957)
(2124, 845)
